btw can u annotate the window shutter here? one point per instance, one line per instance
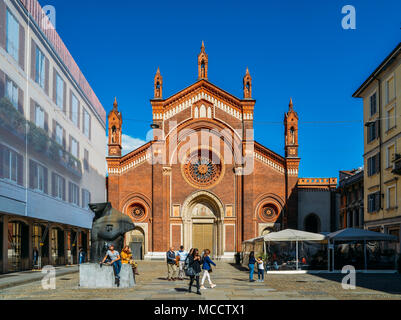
(82, 197)
(32, 111)
(54, 129)
(3, 24)
(64, 97)
(64, 139)
(21, 53)
(53, 184)
(33, 60)
(46, 122)
(79, 115)
(377, 201)
(377, 164)
(20, 100)
(1, 159)
(69, 144)
(2, 83)
(31, 174)
(90, 127)
(63, 182)
(77, 149)
(46, 182)
(20, 166)
(54, 86)
(71, 105)
(377, 127)
(69, 192)
(47, 76)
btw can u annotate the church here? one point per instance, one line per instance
(203, 181)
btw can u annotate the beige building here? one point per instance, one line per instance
(52, 143)
(381, 94)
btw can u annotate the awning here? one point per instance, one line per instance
(294, 235)
(253, 239)
(360, 234)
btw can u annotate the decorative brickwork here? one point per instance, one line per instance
(226, 186)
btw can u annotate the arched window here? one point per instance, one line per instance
(202, 111)
(196, 113)
(209, 113)
(292, 135)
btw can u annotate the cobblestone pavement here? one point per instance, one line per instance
(232, 283)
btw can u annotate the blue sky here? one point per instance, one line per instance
(293, 49)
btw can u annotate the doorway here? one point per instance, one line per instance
(202, 236)
(136, 244)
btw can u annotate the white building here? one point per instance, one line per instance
(52, 143)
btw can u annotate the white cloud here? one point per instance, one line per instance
(128, 144)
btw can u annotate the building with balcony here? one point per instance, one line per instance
(381, 94)
(52, 143)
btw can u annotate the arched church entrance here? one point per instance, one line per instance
(203, 223)
(136, 241)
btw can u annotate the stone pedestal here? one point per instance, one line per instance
(91, 275)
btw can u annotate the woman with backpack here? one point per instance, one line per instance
(207, 268)
(194, 269)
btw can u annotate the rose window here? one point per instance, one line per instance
(201, 170)
(269, 213)
(137, 211)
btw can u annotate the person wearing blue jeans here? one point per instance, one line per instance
(115, 258)
(251, 265)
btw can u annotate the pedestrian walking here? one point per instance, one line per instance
(261, 270)
(182, 254)
(207, 269)
(194, 269)
(115, 261)
(35, 257)
(171, 265)
(251, 265)
(82, 255)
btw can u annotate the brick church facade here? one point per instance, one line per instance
(203, 181)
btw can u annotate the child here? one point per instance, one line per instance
(261, 270)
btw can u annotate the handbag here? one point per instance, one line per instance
(190, 271)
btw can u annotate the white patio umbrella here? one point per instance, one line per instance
(294, 235)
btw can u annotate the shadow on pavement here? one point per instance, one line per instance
(238, 267)
(389, 283)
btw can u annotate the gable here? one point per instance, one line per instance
(201, 90)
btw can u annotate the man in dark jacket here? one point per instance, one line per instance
(171, 265)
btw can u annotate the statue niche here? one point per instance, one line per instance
(109, 227)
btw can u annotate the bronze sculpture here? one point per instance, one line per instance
(109, 227)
